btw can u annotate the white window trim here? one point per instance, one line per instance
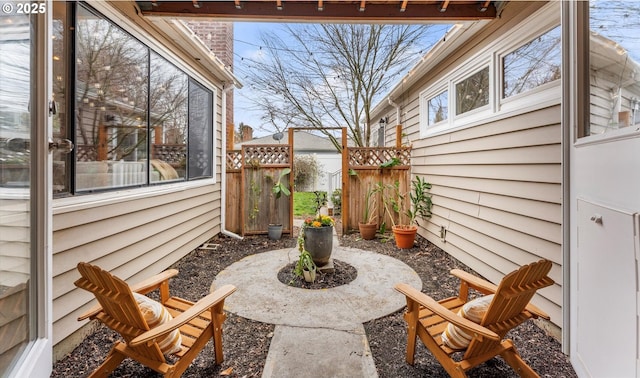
(477, 113)
(427, 95)
(543, 20)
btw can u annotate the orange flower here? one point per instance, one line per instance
(316, 224)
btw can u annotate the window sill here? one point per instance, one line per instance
(88, 201)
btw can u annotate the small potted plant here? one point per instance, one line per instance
(305, 267)
(369, 223)
(279, 188)
(420, 206)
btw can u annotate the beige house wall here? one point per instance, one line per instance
(497, 182)
(137, 232)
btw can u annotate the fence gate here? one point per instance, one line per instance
(251, 175)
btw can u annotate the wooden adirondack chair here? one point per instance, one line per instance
(117, 308)
(509, 307)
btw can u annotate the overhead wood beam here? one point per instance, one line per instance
(332, 11)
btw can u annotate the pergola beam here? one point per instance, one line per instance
(325, 11)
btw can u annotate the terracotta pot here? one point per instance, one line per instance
(405, 236)
(319, 242)
(368, 230)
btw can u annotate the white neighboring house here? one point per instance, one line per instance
(306, 143)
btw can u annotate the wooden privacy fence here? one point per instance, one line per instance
(251, 174)
(366, 171)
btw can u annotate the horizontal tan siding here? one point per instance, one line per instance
(497, 191)
(132, 238)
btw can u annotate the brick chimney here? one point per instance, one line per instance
(247, 133)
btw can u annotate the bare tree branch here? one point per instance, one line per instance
(329, 75)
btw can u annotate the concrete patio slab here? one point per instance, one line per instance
(319, 352)
(262, 297)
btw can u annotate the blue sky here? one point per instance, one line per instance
(247, 45)
(246, 36)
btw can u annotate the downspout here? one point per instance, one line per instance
(397, 110)
(223, 213)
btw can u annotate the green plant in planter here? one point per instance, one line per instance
(370, 206)
(305, 260)
(279, 187)
(369, 222)
(420, 200)
(394, 200)
(419, 206)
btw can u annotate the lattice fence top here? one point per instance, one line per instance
(260, 155)
(375, 156)
(174, 154)
(234, 160)
(86, 152)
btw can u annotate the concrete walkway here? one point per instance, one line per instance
(318, 333)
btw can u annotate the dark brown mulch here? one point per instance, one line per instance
(246, 342)
(342, 275)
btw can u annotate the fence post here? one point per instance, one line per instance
(398, 136)
(291, 181)
(344, 211)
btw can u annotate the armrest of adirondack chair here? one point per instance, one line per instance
(429, 303)
(198, 308)
(143, 287)
(486, 287)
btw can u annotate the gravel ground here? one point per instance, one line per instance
(246, 342)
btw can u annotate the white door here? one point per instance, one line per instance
(25, 299)
(602, 120)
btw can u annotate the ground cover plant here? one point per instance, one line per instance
(246, 342)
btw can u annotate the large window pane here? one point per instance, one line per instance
(17, 314)
(438, 108)
(614, 59)
(61, 35)
(200, 131)
(168, 117)
(473, 92)
(531, 65)
(111, 105)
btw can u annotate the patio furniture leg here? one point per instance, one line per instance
(512, 357)
(110, 364)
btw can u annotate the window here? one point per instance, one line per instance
(111, 105)
(473, 92)
(516, 72)
(138, 119)
(533, 64)
(614, 63)
(438, 108)
(168, 113)
(200, 131)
